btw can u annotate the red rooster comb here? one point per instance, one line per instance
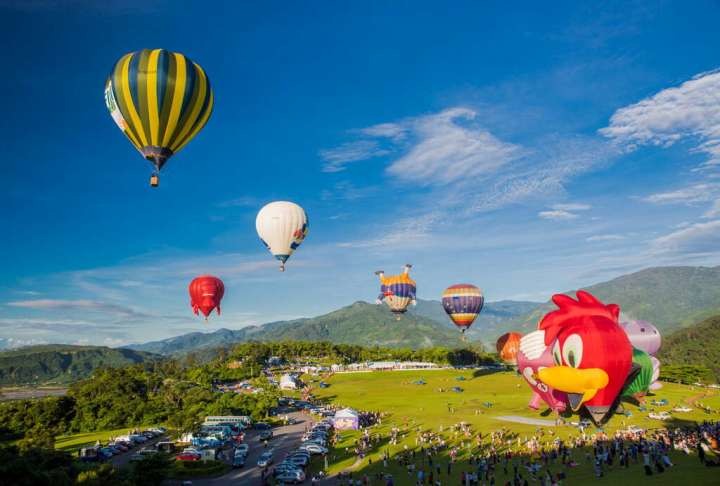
(569, 310)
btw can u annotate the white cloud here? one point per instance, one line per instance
(564, 211)
(446, 150)
(402, 234)
(486, 172)
(336, 159)
(394, 131)
(346, 191)
(689, 112)
(605, 238)
(714, 211)
(571, 207)
(79, 305)
(697, 193)
(703, 238)
(557, 215)
(242, 201)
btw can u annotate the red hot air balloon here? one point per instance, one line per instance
(206, 292)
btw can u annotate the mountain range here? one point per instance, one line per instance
(670, 297)
(62, 363)
(359, 323)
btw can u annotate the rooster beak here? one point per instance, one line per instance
(580, 384)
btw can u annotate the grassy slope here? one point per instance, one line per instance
(696, 345)
(424, 406)
(71, 443)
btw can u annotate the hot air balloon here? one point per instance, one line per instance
(282, 226)
(592, 355)
(206, 292)
(160, 100)
(532, 355)
(643, 379)
(463, 303)
(643, 335)
(507, 347)
(397, 291)
(655, 380)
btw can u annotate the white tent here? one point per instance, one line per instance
(288, 382)
(346, 419)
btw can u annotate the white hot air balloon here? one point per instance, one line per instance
(282, 226)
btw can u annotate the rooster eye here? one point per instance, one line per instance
(572, 350)
(556, 354)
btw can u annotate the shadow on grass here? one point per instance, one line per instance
(486, 371)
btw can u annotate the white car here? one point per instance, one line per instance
(682, 409)
(313, 448)
(265, 459)
(242, 450)
(660, 415)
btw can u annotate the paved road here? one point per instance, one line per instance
(286, 439)
(122, 460)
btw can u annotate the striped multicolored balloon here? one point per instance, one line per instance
(160, 100)
(463, 303)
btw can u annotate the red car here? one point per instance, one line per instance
(185, 456)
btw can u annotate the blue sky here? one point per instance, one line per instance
(527, 150)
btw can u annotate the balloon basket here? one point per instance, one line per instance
(154, 180)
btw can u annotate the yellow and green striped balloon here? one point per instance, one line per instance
(160, 100)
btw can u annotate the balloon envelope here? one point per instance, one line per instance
(462, 303)
(643, 335)
(640, 385)
(206, 292)
(508, 346)
(592, 354)
(532, 355)
(282, 226)
(160, 100)
(397, 291)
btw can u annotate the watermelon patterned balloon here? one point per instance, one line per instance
(463, 303)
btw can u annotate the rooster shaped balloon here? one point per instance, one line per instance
(533, 355)
(592, 355)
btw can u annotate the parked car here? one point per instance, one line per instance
(187, 456)
(242, 450)
(301, 461)
(90, 454)
(682, 409)
(238, 461)
(660, 415)
(313, 448)
(166, 446)
(291, 476)
(285, 466)
(265, 459)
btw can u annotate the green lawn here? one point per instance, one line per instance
(411, 406)
(71, 443)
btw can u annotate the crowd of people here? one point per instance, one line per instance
(543, 458)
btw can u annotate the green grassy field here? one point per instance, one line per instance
(423, 407)
(71, 443)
